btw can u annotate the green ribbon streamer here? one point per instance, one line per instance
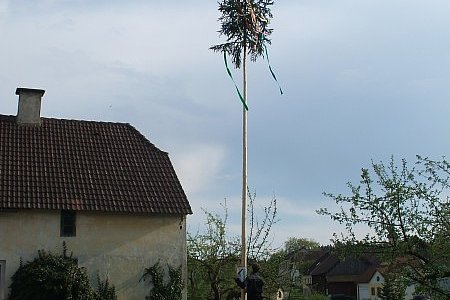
(273, 74)
(235, 85)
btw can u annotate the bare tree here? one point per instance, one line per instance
(213, 254)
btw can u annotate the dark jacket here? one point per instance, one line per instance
(253, 284)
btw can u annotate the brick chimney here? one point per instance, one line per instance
(29, 110)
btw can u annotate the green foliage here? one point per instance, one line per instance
(317, 297)
(393, 288)
(294, 244)
(51, 276)
(293, 261)
(298, 295)
(161, 290)
(406, 211)
(105, 291)
(245, 24)
(274, 274)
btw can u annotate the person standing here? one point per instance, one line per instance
(253, 284)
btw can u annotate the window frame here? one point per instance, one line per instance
(68, 226)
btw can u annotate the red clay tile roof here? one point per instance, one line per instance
(85, 165)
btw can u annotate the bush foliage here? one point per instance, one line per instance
(51, 276)
(162, 289)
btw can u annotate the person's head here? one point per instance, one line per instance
(255, 267)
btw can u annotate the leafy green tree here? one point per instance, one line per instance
(294, 244)
(393, 288)
(293, 260)
(406, 213)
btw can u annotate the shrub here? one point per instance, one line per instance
(56, 277)
(105, 291)
(172, 290)
(51, 276)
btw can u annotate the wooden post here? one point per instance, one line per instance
(244, 169)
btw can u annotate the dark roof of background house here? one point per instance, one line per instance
(85, 165)
(324, 264)
(356, 269)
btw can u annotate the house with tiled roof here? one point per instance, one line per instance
(370, 285)
(314, 278)
(352, 277)
(103, 188)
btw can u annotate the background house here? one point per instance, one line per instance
(350, 278)
(101, 187)
(371, 289)
(345, 277)
(314, 279)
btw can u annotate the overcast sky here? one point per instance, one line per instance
(363, 80)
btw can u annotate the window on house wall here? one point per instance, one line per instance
(2, 279)
(372, 290)
(68, 223)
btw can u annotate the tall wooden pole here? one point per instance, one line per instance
(244, 169)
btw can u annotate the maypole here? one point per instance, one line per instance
(244, 171)
(244, 23)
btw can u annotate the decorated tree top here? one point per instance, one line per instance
(245, 24)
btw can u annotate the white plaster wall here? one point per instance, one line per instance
(377, 279)
(363, 291)
(118, 246)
